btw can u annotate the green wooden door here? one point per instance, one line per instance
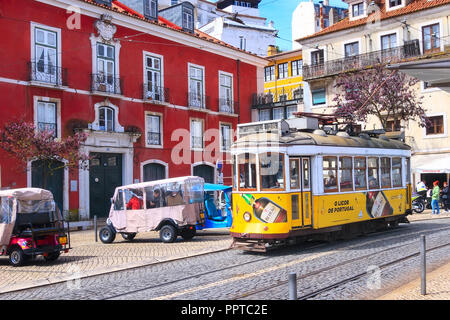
(105, 174)
(49, 176)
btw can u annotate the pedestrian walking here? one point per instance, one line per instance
(435, 197)
(445, 196)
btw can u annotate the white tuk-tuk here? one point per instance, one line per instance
(170, 206)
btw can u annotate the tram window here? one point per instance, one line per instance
(294, 173)
(360, 173)
(345, 173)
(372, 167)
(305, 173)
(408, 170)
(247, 171)
(271, 170)
(330, 173)
(385, 172)
(397, 172)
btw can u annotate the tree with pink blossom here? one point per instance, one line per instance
(22, 141)
(387, 95)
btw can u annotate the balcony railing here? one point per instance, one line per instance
(155, 93)
(196, 100)
(333, 67)
(226, 105)
(278, 98)
(48, 74)
(106, 83)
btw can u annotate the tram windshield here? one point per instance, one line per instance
(271, 170)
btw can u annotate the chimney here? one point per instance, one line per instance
(271, 50)
(326, 2)
(322, 25)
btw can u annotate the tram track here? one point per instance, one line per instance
(296, 261)
(347, 280)
(221, 269)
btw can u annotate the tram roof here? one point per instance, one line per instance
(306, 138)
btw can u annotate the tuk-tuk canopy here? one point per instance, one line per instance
(216, 187)
(27, 194)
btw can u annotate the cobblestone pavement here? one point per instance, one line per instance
(89, 257)
(235, 274)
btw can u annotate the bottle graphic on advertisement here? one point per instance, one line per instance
(266, 210)
(378, 205)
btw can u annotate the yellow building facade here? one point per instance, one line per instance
(283, 91)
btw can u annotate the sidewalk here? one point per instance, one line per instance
(438, 280)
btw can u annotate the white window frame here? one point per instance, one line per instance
(57, 102)
(146, 54)
(222, 124)
(202, 121)
(203, 102)
(96, 124)
(116, 44)
(300, 70)
(444, 123)
(226, 74)
(351, 41)
(389, 8)
(161, 131)
(33, 26)
(441, 32)
(399, 40)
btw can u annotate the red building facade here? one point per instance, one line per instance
(156, 101)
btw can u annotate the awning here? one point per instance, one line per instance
(436, 72)
(437, 163)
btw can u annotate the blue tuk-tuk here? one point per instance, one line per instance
(217, 207)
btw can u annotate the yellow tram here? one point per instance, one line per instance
(297, 184)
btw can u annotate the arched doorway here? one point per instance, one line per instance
(205, 171)
(154, 171)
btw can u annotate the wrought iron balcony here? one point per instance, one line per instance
(333, 67)
(196, 100)
(226, 105)
(47, 73)
(155, 93)
(278, 98)
(106, 83)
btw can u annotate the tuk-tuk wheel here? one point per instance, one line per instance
(107, 235)
(17, 258)
(52, 256)
(128, 236)
(168, 233)
(188, 234)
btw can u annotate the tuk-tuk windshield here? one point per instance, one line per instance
(6, 210)
(35, 206)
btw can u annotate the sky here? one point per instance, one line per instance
(280, 12)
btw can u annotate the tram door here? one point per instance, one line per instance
(300, 179)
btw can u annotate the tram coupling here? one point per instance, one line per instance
(249, 245)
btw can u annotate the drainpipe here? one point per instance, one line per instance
(238, 92)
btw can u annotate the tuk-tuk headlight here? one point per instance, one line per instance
(247, 216)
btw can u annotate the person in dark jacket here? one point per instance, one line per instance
(445, 196)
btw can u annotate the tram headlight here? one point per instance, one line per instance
(247, 216)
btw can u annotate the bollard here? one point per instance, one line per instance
(423, 263)
(95, 228)
(292, 286)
